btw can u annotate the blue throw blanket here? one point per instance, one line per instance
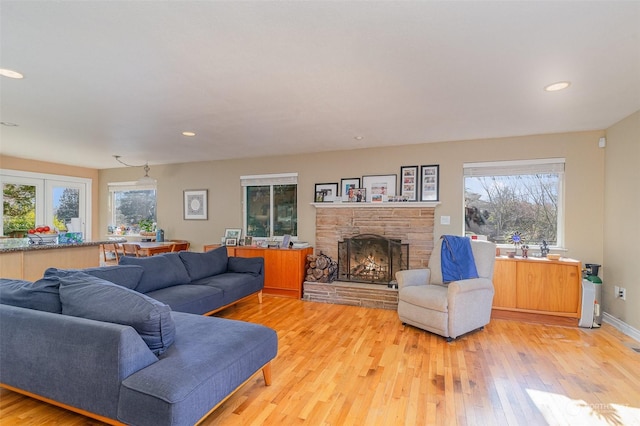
(457, 262)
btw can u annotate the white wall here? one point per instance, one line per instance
(622, 220)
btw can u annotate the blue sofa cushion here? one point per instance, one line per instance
(211, 358)
(125, 275)
(193, 299)
(41, 295)
(248, 265)
(234, 286)
(200, 265)
(160, 271)
(85, 296)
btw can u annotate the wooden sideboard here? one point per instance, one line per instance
(538, 286)
(284, 268)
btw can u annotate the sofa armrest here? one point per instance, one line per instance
(469, 285)
(246, 265)
(74, 361)
(412, 277)
(469, 303)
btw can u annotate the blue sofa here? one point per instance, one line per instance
(89, 341)
(197, 283)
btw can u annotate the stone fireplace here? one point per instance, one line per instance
(408, 223)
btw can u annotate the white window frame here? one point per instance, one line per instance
(514, 167)
(126, 186)
(44, 184)
(270, 180)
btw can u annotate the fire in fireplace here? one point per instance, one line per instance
(370, 258)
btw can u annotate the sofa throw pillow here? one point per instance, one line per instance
(41, 295)
(207, 264)
(125, 275)
(86, 296)
(160, 271)
(245, 265)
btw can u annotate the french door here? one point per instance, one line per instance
(31, 199)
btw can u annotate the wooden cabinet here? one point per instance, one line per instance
(30, 263)
(539, 286)
(284, 268)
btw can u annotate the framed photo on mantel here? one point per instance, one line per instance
(379, 187)
(409, 183)
(348, 187)
(430, 182)
(326, 192)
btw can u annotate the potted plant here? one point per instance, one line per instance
(146, 227)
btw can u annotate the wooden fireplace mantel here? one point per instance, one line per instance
(348, 205)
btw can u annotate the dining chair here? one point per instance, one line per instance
(180, 245)
(110, 248)
(130, 249)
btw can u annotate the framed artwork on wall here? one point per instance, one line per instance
(430, 182)
(379, 187)
(409, 183)
(195, 204)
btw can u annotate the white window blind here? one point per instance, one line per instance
(271, 179)
(508, 168)
(129, 186)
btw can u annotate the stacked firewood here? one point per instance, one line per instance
(320, 268)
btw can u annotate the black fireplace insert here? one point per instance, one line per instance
(371, 258)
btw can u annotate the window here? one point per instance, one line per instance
(501, 198)
(31, 199)
(132, 208)
(270, 205)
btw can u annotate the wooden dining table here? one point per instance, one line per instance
(149, 248)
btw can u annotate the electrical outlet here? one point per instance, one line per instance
(623, 293)
(616, 291)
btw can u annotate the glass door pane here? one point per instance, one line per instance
(66, 206)
(18, 209)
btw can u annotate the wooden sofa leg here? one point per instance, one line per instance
(266, 373)
(260, 296)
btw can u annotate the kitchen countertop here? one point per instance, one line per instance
(22, 244)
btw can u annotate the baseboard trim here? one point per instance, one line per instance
(621, 326)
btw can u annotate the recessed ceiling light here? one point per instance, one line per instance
(188, 134)
(560, 85)
(10, 73)
(358, 138)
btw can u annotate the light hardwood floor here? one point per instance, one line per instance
(344, 365)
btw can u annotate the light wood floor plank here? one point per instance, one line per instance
(345, 365)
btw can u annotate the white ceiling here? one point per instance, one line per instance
(104, 78)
